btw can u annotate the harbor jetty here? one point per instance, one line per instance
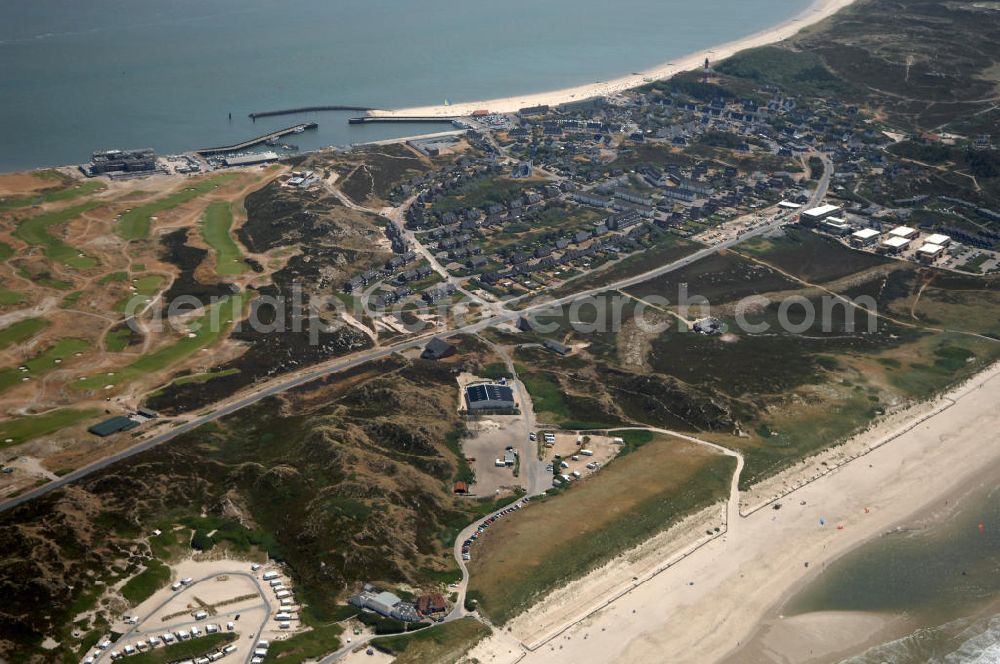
(368, 119)
(307, 109)
(272, 136)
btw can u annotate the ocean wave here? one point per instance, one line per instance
(963, 641)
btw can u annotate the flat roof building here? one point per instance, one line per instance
(836, 225)
(489, 396)
(864, 237)
(251, 159)
(113, 425)
(928, 253)
(895, 244)
(903, 232)
(818, 214)
(938, 239)
(121, 161)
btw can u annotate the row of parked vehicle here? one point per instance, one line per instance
(467, 544)
(166, 639)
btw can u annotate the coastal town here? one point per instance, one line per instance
(445, 398)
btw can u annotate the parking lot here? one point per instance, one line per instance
(207, 599)
(577, 455)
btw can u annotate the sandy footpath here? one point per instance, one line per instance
(710, 603)
(817, 11)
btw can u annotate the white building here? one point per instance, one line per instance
(928, 252)
(818, 214)
(938, 239)
(895, 244)
(904, 232)
(865, 237)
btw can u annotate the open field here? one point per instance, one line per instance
(24, 428)
(556, 539)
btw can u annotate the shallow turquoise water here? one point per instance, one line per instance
(76, 76)
(945, 577)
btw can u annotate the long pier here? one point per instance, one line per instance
(274, 135)
(307, 109)
(402, 119)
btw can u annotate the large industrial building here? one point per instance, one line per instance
(109, 162)
(815, 215)
(489, 396)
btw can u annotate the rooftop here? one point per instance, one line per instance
(896, 242)
(866, 233)
(822, 210)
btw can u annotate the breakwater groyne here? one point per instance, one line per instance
(272, 136)
(368, 119)
(306, 109)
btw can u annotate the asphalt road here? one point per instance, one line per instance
(322, 370)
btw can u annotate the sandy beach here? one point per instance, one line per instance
(708, 605)
(819, 10)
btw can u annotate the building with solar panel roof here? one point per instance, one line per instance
(489, 396)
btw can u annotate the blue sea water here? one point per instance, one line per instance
(80, 75)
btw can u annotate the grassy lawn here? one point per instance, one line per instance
(183, 650)
(146, 287)
(21, 331)
(441, 644)
(10, 297)
(35, 231)
(134, 224)
(45, 361)
(112, 277)
(116, 341)
(145, 583)
(204, 331)
(6, 251)
(553, 406)
(215, 225)
(562, 537)
(25, 428)
(320, 640)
